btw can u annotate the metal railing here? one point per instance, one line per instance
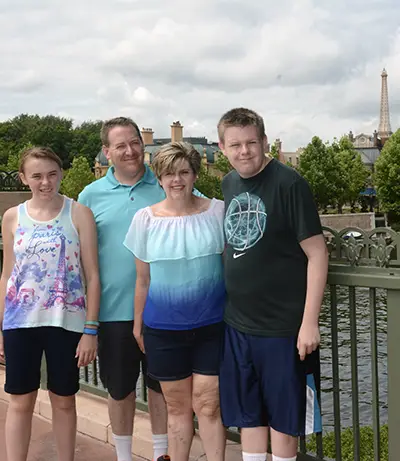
(11, 182)
(360, 262)
(369, 261)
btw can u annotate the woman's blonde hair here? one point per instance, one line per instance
(165, 159)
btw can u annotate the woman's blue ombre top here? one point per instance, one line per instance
(187, 287)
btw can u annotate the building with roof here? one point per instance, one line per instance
(293, 158)
(101, 165)
(370, 146)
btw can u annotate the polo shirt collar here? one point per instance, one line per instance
(148, 177)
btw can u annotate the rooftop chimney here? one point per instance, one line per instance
(147, 135)
(176, 132)
(375, 137)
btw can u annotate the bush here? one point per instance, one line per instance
(77, 178)
(222, 164)
(366, 444)
(387, 172)
(208, 184)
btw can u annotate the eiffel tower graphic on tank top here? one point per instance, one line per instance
(46, 287)
(58, 293)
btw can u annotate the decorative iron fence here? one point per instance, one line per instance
(363, 260)
(10, 181)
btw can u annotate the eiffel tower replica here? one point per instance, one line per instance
(384, 130)
(59, 290)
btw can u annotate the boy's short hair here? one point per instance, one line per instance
(166, 157)
(117, 121)
(240, 117)
(38, 152)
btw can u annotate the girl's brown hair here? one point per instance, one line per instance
(38, 152)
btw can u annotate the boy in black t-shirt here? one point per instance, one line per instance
(276, 265)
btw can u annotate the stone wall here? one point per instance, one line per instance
(10, 199)
(365, 221)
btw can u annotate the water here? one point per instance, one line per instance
(363, 354)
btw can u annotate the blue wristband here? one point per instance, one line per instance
(90, 331)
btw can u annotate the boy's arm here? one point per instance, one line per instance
(317, 269)
(305, 223)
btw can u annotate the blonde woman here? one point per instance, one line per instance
(180, 298)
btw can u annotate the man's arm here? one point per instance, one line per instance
(317, 270)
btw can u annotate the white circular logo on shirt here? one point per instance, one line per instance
(245, 221)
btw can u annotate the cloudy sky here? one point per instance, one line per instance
(310, 67)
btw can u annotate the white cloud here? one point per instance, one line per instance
(309, 67)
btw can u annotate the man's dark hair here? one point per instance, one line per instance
(117, 121)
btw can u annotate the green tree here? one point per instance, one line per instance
(50, 131)
(208, 184)
(274, 151)
(387, 177)
(86, 141)
(13, 162)
(77, 178)
(289, 163)
(4, 153)
(352, 173)
(319, 167)
(222, 163)
(14, 158)
(10, 141)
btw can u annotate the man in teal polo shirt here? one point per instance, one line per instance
(128, 186)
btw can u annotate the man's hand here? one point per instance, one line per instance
(137, 333)
(1, 346)
(308, 339)
(86, 350)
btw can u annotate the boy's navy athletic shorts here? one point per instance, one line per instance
(263, 382)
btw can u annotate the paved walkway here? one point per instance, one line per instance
(42, 444)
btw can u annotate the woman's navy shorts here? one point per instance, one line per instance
(173, 355)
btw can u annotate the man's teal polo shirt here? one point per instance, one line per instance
(114, 205)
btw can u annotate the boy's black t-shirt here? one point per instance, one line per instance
(266, 218)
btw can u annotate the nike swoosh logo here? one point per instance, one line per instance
(238, 255)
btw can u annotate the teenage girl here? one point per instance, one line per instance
(49, 302)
